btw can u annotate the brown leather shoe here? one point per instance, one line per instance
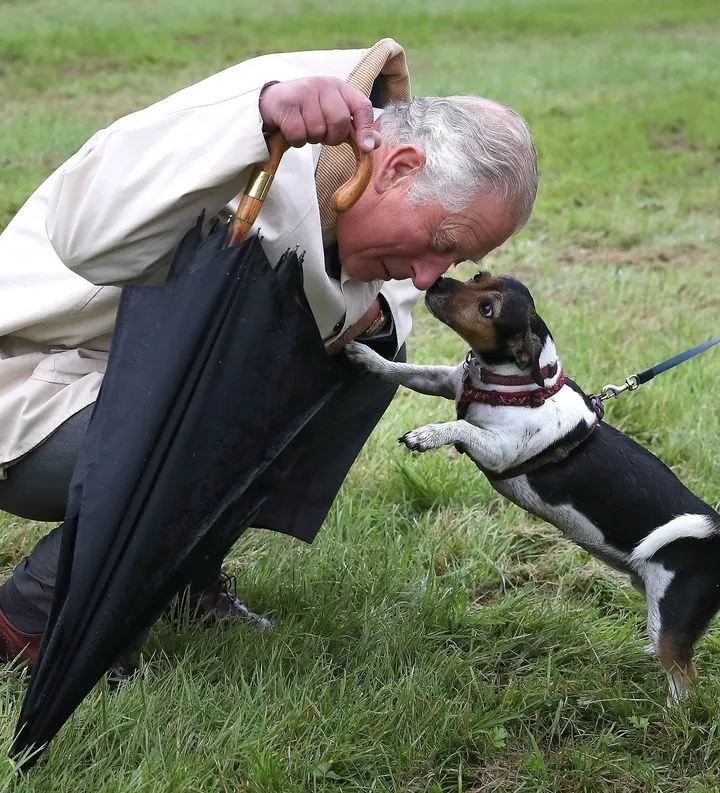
(14, 643)
(220, 602)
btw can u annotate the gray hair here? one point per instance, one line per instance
(473, 146)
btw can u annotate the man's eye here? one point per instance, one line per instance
(486, 308)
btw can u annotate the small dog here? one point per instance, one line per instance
(541, 442)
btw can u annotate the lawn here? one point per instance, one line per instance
(434, 638)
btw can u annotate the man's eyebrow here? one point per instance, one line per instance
(445, 240)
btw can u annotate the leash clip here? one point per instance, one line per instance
(636, 380)
(610, 391)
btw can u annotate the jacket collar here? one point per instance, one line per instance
(385, 63)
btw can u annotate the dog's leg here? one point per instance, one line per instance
(680, 607)
(673, 658)
(483, 446)
(676, 656)
(639, 585)
(430, 380)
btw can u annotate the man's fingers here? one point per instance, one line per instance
(337, 117)
(315, 119)
(318, 110)
(363, 118)
(292, 126)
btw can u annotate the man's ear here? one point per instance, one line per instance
(525, 350)
(396, 164)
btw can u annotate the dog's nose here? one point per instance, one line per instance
(441, 285)
(434, 287)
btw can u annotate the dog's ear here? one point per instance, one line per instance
(525, 350)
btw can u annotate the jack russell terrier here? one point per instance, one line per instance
(541, 443)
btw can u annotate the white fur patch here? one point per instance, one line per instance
(657, 579)
(571, 522)
(698, 526)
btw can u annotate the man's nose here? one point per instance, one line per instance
(427, 270)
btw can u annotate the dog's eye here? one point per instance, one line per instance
(486, 308)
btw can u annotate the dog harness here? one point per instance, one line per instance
(531, 399)
(528, 399)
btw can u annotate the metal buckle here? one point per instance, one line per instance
(610, 391)
(468, 358)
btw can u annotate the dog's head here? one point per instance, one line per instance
(495, 315)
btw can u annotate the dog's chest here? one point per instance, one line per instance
(521, 433)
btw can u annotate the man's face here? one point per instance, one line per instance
(382, 237)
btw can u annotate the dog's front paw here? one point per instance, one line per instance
(361, 355)
(422, 439)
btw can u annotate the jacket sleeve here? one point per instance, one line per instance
(121, 205)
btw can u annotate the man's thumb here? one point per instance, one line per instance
(363, 118)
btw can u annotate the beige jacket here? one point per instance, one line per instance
(116, 210)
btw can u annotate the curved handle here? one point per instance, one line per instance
(262, 177)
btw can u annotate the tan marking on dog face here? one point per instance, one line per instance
(464, 311)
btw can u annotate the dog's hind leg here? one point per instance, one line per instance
(677, 616)
(675, 653)
(639, 585)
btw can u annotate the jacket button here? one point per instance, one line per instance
(338, 326)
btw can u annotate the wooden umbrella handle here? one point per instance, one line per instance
(262, 177)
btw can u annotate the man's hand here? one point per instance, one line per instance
(318, 110)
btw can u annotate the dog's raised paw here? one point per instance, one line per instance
(360, 354)
(420, 440)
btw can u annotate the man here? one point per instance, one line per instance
(452, 179)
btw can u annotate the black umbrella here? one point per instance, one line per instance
(195, 408)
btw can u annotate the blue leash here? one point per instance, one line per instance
(636, 380)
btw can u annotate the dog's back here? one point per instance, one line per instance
(616, 484)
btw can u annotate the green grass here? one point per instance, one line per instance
(434, 638)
